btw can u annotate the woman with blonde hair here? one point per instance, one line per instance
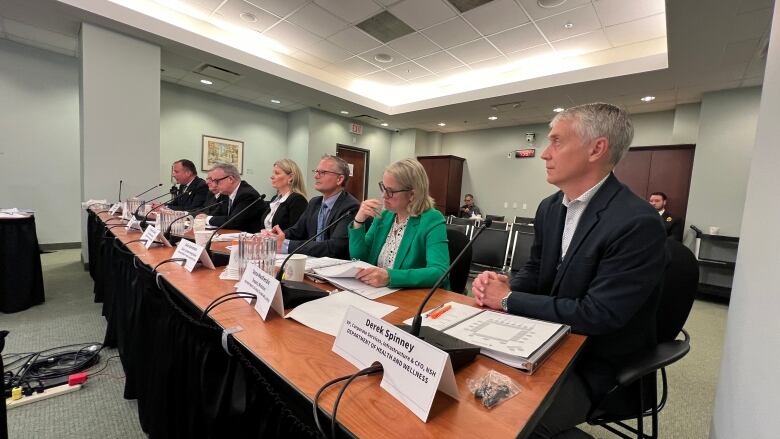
(290, 200)
(407, 240)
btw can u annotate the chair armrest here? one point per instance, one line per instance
(651, 360)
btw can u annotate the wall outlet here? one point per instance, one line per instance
(506, 204)
(525, 206)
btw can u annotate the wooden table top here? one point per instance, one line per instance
(303, 358)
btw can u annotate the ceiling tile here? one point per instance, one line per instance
(613, 12)
(309, 59)
(292, 107)
(354, 40)
(532, 54)
(438, 62)
(231, 12)
(290, 35)
(592, 42)
(193, 80)
(353, 11)
(244, 94)
(474, 51)
(496, 16)
(328, 51)
(739, 51)
(519, 38)
(384, 50)
(358, 67)
(584, 20)
(383, 77)
(750, 24)
(206, 6)
(317, 20)
(752, 5)
(451, 33)
(536, 12)
(498, 61)
(421, 14)
(279, 7)
(414, 45)
(409, 71)
(756, 67)
(640, 30)
(751, 82)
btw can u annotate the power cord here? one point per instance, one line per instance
(226, 298)
(40, 368)
(367, 371)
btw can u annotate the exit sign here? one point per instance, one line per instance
(525, 153)
(356, 128)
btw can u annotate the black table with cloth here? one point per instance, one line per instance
(21, 277)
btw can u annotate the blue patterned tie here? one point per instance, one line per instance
(321, 218)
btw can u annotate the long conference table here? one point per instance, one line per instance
(193, 379)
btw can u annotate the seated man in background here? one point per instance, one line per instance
(596, 264)
(672, 225)
(192, 191)
(237, 195)
(330, 177)
(469, 209)
(407, 241)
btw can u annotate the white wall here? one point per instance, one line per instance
(186, 114)
(686, 124)
(653, 129)
(727, 125)
(39, 156)
(749, 389)
(402, 145)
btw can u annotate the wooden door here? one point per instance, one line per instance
(358, 159)
(659, 169)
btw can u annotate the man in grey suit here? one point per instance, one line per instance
(330, 177)
(596, 263)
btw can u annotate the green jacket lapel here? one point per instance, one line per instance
(406, 242)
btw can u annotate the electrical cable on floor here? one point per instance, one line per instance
(367, 371)
(42, 369)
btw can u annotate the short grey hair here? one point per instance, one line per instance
(342, 166)
(229, 170)
(599, 119)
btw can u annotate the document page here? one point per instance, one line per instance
(456, 313)
(327, 314)
(348, 269)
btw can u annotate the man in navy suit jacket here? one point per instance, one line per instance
(596, 263)
(192, 191)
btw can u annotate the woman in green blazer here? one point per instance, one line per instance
(407, 241)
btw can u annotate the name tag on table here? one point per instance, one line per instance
(413, 369)
(192, 253)
(114, 208)
(151, 234)
(265, 287)
(133, 224)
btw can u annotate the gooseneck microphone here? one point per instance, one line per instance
(138, 209)
(144, 221)
(157, 185)
(119, 200)
(232, 218)
(460, 352)
(167, 233)
(295, 293)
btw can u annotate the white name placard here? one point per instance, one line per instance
(265, 287)
(151, 234)
(114, 208)
(192, 253)
(413, 369)
(133, 224)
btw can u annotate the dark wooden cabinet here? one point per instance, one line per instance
(445, 174)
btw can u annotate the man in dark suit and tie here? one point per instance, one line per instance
(672, 224)
(596, 263)
(237, 195)
(192, 191)
(330, 177)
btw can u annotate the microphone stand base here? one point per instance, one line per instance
(295, 293)
(461, 353)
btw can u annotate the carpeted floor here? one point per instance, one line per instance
(99, 410)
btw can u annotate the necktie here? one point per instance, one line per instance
(230, 205)
(321, 218)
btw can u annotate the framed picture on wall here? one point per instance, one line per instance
(217, 149)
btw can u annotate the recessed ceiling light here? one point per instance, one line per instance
(442, 124)
(344, 112)
(493, 118)
(248, 16)
(206, 81)
(276, 101)
(550, 3)
(568, 25)
(384, 124)
(648, 99)
(383, 58)
(558, 109)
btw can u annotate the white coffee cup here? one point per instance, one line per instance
(202, 237)
(295, 267)
(714, 230)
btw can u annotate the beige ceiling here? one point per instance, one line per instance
(715, 44)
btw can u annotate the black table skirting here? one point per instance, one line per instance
(21, 277)
(186, 384)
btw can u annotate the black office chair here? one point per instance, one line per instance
(521, 249)
(466, 230)
(457, 240)
(489, 251)
(495, 217)
(638, 378)
(523, 220)
(462, 221)
(499, 225)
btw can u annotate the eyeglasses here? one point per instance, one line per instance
(217, 180)
(320, 172)
(390, 192)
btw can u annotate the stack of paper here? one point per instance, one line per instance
(16, 213)
(327, 314)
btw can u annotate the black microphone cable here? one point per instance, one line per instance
(367, 371)
(226, 298)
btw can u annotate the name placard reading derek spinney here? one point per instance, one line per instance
(413, 369)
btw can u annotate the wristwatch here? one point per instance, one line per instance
(504, 304)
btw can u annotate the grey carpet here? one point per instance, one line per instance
(99, 411)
